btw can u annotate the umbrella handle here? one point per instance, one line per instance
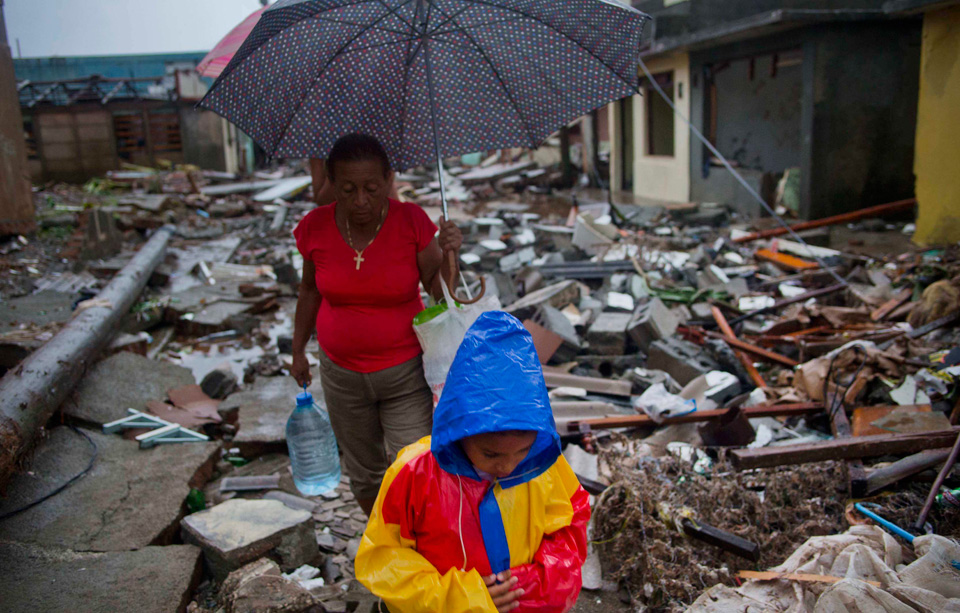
(451, 282)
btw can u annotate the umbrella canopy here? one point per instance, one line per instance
(426, 77)
(214, 62)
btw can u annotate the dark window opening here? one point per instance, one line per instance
(660, 121)
(130, 135)
(30, 138)
(626, 142)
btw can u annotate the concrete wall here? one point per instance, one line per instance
(864, 115)
(75, 146)
(759, 118)
(204, 139)
(16, 200)
(656, 177)
(762, 123)
(937, 158)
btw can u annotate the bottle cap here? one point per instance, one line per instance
(304, 399)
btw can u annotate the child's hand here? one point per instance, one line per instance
(504, 598)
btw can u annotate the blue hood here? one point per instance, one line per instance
(495, 383)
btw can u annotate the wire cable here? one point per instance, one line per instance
(93, 458)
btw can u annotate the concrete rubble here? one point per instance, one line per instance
(679, 342)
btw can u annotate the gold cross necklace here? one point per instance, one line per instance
(360, 259)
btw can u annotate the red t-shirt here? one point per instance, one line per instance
(365, 321)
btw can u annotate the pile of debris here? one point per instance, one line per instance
(714, 380)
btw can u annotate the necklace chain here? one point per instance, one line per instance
(360, 259)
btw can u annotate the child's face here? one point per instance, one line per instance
(498, 453)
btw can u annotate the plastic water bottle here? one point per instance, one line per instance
(312, 447)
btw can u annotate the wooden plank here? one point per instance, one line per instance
(726, 541)
(874, 211)
(905, 467)
(769, 575)
(637, 421)
(933, 325)
(863, 417)
(614, 387)
(744, 358)
(785, 261)
(840, 425)
(884, 310)
(842, 449)
(760, 352)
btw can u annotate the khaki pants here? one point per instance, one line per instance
(374, 416)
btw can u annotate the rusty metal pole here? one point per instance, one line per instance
(32, 392)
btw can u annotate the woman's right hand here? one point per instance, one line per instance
(300, 369)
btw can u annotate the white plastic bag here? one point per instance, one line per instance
(440, 335)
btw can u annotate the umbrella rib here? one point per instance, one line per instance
(478, 25)
(564, 34)
(516, 107)
(357, 23)
(324, 68)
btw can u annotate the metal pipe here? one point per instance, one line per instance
(33, 391)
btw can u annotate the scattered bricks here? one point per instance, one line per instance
(651, 321)
(239, 531)
(607, 335)
(681, 360)
(557, 295)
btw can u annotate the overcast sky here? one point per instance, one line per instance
(111, 27)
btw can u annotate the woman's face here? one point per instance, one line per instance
(362, 188)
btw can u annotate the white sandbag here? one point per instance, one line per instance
(854, 596)
(934, 570)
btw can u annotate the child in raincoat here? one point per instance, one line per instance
(485, 514)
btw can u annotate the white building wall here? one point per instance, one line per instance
(657, 177)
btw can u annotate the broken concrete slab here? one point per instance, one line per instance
(263, 409)
(131, 498)
(680, 359)
(239, 531)
(149, 580)
(41, 308)
(284, 189)
(124, 380)
(607, 334)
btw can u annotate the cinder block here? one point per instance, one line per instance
(608, 334)
(684, 361)
(651, 321)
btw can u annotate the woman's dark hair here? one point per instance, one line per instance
(357, 147)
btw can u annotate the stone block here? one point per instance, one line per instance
(260, 587)
(682, 360)
(239, 531)
(557, 295)
(651, 321)
(608, 334)
(149, 580)
(219, 383)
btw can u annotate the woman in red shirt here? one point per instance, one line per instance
(364, 258)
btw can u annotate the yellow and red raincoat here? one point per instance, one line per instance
(437, 527)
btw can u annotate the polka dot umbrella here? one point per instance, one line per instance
(428, 78)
